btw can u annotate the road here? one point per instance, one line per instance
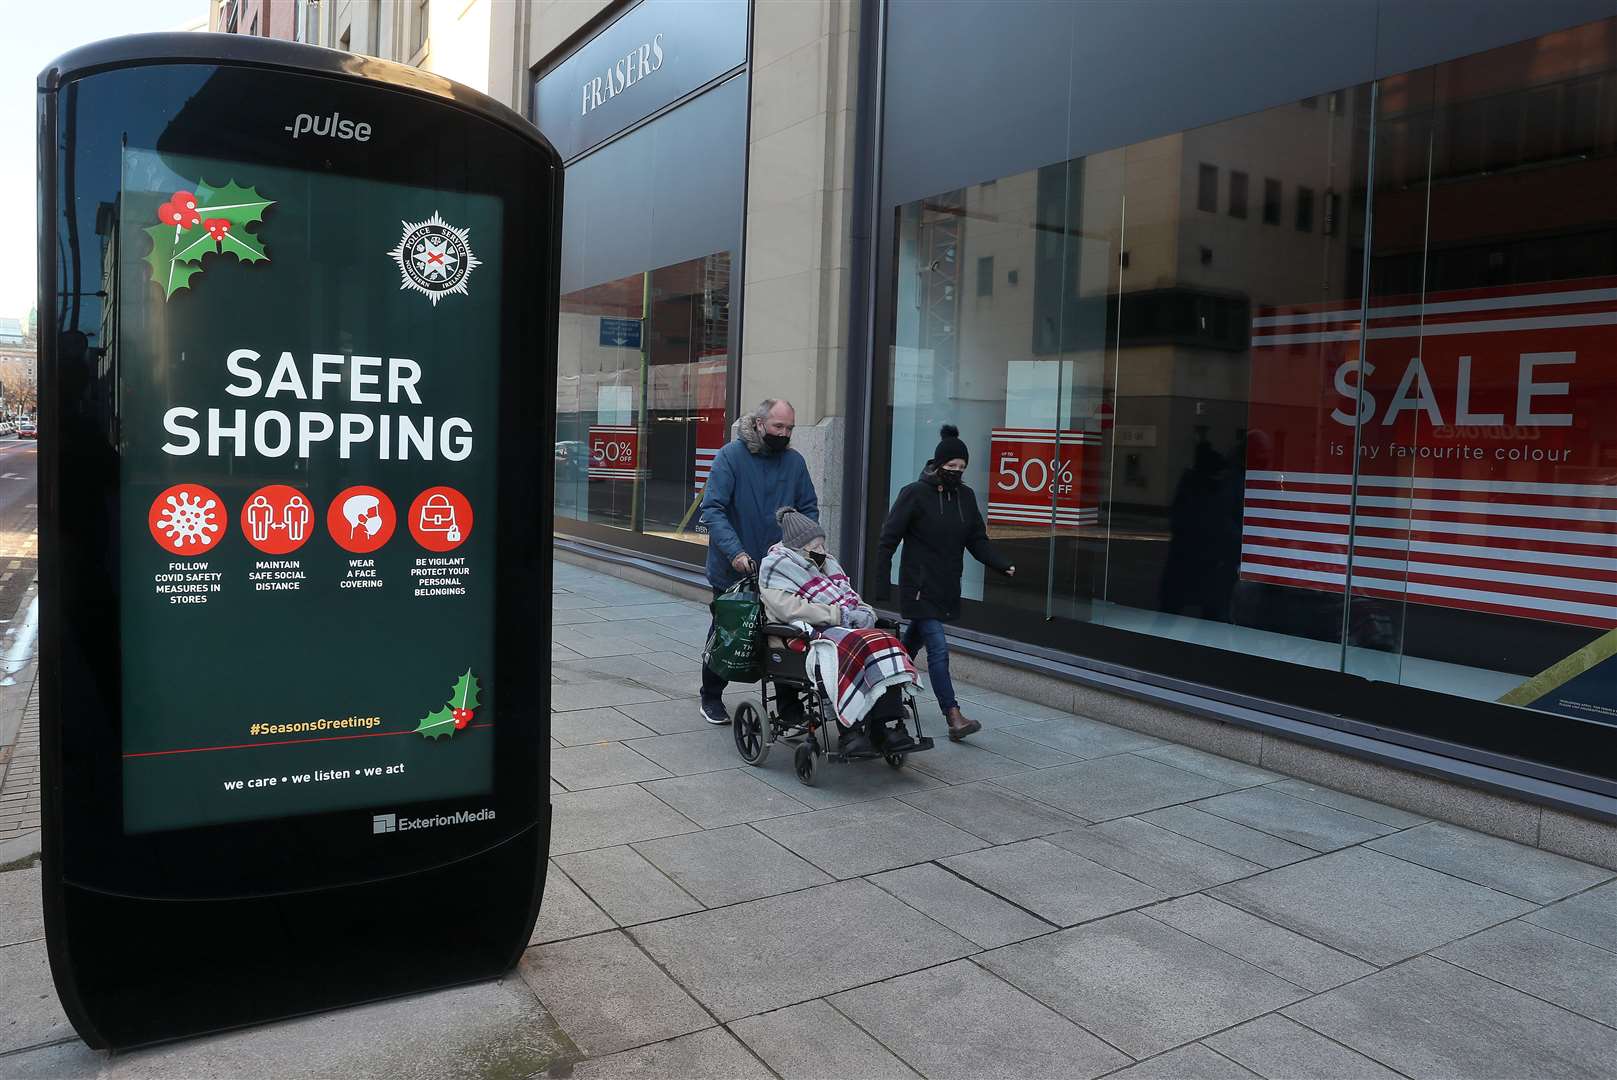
(19, 521)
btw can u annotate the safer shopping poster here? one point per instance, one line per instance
(308, 376)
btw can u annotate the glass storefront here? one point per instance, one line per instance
(1326, 388)
(653, 110)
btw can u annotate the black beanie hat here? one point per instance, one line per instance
(950, 446)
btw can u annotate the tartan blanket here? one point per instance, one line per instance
(789, 571)
(861, 665)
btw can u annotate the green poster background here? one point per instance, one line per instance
(197, 676)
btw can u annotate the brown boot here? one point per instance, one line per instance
(959, 726)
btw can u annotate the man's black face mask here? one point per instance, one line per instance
(776, 443)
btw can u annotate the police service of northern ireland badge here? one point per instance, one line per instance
(434, 258)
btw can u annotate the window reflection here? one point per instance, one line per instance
(642, 364)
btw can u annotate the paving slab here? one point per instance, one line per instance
(764, 954)
(1016, 748)
(1234, 773)
(688, 752)
(602, 817)
(22, 911)
(62, 1061)
(713, 1054)
(1565, 971)
(1053, 883)
(839, 785)
(486, 1029)
(1231, 836)
(1082, 737)
(1113, 787)
(731, 865)
(599, 765)
(1427, 1018)
(1193, 1060)
(1275, 949)
(959, 1022)
(607, 995)
(1275, 1046)
(1302, 821)
(1015, 706)
(1589, 916)
(32, 1015)
(625, 886)
(992, 813)
(813, 1041)
(593, 726)
(960, 905)
(1163, 859)
(1139, 984)
(1540, 876)
(565, 911)
(1352, 804)
(716, 799)
(964, 761)
(1371, 905)
(599, 693)
(866, 838)
(670, 715)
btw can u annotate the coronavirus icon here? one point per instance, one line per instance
(187, 519)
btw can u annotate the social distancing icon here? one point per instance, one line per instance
(440, 519)
(277, 519)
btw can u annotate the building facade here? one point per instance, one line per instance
(1284, 335)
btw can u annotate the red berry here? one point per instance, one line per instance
(217, 227)
(462, 717)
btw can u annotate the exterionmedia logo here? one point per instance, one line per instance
(386, 823)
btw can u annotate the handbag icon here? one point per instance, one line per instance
(438, 516)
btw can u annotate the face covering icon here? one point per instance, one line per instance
(438, 516)
(362, 512)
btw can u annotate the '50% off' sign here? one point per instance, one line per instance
(614, 452)
(1036, 478)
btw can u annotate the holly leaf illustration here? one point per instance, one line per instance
(169, 272)
(436, 724)
(466, 691)
(216, 225)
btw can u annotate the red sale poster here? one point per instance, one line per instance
(709, 441)
(1038, 476)
(614, 452)
(1486, 480)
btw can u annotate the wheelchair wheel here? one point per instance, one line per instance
(751, 741)
(895, 761)
(805, 763)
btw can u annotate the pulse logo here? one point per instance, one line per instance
(331, 127)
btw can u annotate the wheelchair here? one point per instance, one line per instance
(786, 679)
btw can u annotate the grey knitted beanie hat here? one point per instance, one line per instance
(797, 530)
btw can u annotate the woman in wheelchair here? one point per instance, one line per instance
(802, 585)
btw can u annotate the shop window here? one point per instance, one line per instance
(1207, 188)
(1186, 444)
(985, 276)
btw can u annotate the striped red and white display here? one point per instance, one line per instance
(1038, 476)
(1487, 448)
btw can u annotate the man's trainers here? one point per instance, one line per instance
(714, 712)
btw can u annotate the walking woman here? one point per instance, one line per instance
(937, 520)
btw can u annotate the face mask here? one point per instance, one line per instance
(949, 478)
(817, 557)
(776, 443)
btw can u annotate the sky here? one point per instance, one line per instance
(35, 33)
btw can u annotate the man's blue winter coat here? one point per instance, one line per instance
(744, 489)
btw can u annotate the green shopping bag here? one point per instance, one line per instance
(734, 651)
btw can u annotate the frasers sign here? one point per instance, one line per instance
(1486, 449)
(625, 71)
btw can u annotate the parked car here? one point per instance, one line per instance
(27, 430)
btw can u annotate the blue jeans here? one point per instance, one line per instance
(928, 634)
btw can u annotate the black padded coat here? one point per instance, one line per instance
(937, 527)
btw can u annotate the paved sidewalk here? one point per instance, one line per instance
(1055, 898)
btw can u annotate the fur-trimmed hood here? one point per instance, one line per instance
(746, 429)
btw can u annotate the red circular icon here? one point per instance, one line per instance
(277, 519)
(440, 519)
(187, 519)
(361, 519)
